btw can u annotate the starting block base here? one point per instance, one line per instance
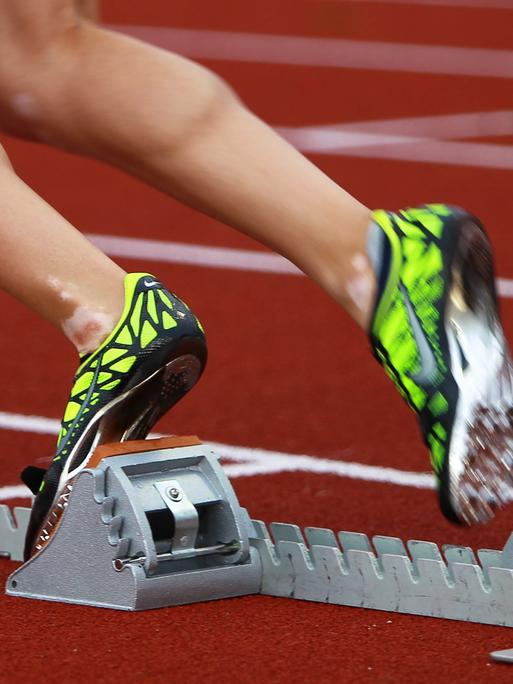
(146, 530)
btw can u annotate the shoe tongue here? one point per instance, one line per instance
(32, 476)
(379, 253)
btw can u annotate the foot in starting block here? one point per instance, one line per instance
(155, 527)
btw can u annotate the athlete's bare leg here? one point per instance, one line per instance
(177, 126)
(83, 296)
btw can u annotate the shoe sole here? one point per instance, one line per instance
(129, 416)
(477, 476)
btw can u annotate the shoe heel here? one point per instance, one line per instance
(133, 415)
(154, 397)
(474, 272)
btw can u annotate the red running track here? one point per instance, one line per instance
(288, 371)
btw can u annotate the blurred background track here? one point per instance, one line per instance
(288, 371)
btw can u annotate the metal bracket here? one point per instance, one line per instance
(185, 516)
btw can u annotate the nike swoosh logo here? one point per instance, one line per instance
(427, 359)
(150, 283)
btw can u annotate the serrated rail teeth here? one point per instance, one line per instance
(381, 574)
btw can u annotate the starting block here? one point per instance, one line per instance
(156, 527)
(157, 523)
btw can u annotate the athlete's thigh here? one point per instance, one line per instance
(32, 25)
(28, 31)
(34, 21)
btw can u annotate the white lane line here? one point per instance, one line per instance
(327, 52)
(480, 4)
(455, 126)
(214, 257)
(14, 492)
(199, 255)
(248, 461)
(264, 462)
(26, 423)
(431, 139)
(505, 287)
(481, 155)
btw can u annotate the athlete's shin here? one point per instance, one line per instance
(53, 269)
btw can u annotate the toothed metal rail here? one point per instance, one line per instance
(419, 578)
(13, 525)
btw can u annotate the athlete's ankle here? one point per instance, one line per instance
(355, 286)
(88, 321)
(378, 254)
(87, 329)
(338, 261)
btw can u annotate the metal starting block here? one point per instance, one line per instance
(156, 527)
(161, 526)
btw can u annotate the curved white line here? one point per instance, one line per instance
(248, 461)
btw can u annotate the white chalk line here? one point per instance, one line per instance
(478, 4)
(327, 52)
(428, 139)
(458, 125)
(213, 257)
(242, 461)
(15, 492)
(194, 255)
(440, 152)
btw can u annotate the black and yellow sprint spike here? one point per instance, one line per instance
(152, 358)
(436, 331)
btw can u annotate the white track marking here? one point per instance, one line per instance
(432, 139)
(263, 462)
(248, 461)
(455, 126)
(15, 492)
(327, 52)
(198, 255)
(480, 4)
(480, 155)
(216, 257)
(505, 287)
(23, 423)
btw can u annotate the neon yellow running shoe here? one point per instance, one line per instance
(437, 332)
(152, 358)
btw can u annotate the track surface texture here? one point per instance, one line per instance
(288, 371)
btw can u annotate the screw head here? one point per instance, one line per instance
(174, 494)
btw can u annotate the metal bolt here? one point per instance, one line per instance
(174, 494)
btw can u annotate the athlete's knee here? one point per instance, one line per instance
(222, 98)
(206, 105)
(34, 53)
